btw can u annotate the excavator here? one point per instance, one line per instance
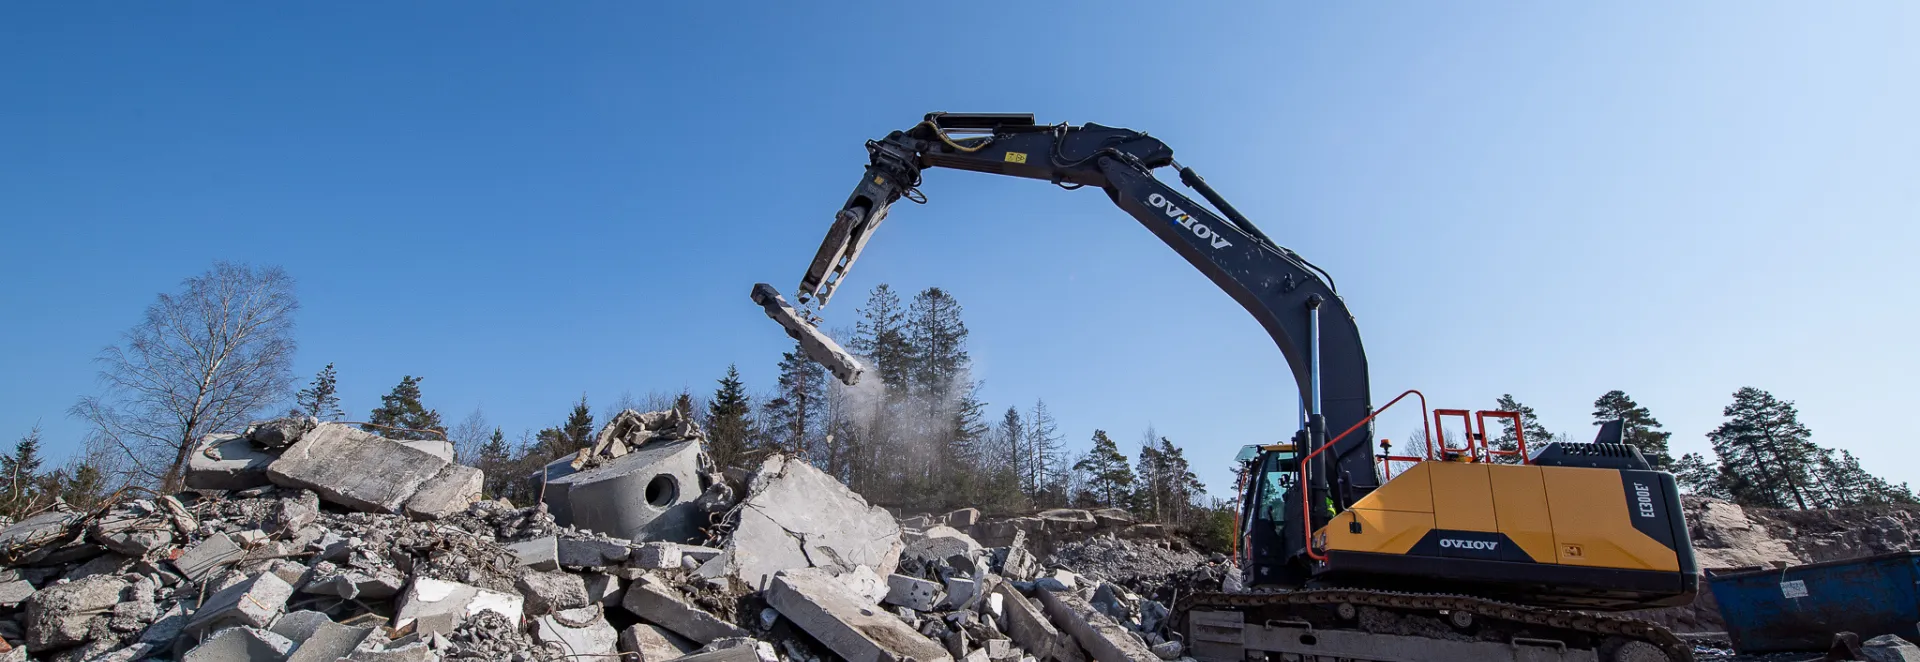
(1467, 552)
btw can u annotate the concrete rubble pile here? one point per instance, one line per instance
(301, 540)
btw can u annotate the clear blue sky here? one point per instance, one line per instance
(525, 202)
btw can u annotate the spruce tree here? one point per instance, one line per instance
(1109, 477)
(401, 416)
(729, 420)
(578, 430)
(798, 414)
(1639, 430)
(1767, 454)
(881, 336)
(1536, 434)
(20, 474)
(320, 399)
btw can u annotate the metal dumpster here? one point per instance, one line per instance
(1801, 607)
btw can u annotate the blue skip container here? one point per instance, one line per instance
(1799, 608)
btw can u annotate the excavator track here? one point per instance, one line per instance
(1611, 638)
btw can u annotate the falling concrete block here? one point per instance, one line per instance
(654, 643)
(658, 556)
(59, 616)
(254, 602)
(1102, 638)
(578, 632)
(912, 592)
(430, 597)
(647, 494)
(227, 462)
(449, 492)
(538, 553)
(661, 605)
(813, 601)
(1025, 623)
(355, 468)
(963, 518)
(237, 644)
(548, 592)
(789, 502)
(592, 553)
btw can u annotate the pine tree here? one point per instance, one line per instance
(578, 430)
(1696, 475)
(1768, 456)
(1640, 430)
(20, 474)
(320, 399)
(796, 416)
(729, 420)
(881, 336)
(1535, 433)
(1109, 477)
(1841, 482)
(938, 339)
(401, 416)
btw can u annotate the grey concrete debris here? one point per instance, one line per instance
(819, 346)
(538, 554)
(645, 494)
(1025, 623)
(1068, 519)
(962, 518)
(1889, 648)
(603, 589)
(795, 516)
(862, 581)
(913, 593)
(658, 556)
(297, 626)
(354, 468)
(448, 493)
(812, 600)
(240, 645)
(37, 530)
(583, 632)
(1167, 650)
(279, 432)
(412, 652)
(917, 522)
(698, 553)
(592, 553)
(227, 462)
(327, 641)
(1112, 517)
(253, 603)
(960, 593)
(428, 597)
(548, 592)
(654, 643)
(379, 584)
(734, 650)
(15, 591)
(660, 604)
(60, 616)
(1100, 636)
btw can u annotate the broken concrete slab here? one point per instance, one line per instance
(960, 593)
(940, 543)
(242, 643)
(658, 556)
(734, 650)
(253, 603)
(603, 589)
(548, 592)
(355, 585)
(812, 600)
(592, 553)
(418, 651)
(662, 605)
(796, 516)
(448, 493)
(646, 494)
(913, 593)
(428, 597)
(862, 581)
(354, 468)
(653, 643)
(538, 554)
(439, 448)
(1102, 638)
(60, 616)
(818, 346)
(1068, 519)
(962, 518)
(15, 591)
(37, 530)
(280, 432)
(1025, 622)
(1112, 517)
(297, 626)
(329, 641)
(578, 632)
(1889, 648)
(227, 462)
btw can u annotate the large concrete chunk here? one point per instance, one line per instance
(580, 632)
(592, 553)
(59, 615)
(548, 592)
(819, 346)
(646, 494)
(661, 605)
(432, 597)
(912, 592)
(654, 643)
(1104, 639)
(354, 468)
(795, 516)
(328, 641)
(538, 553)
(253, 603)
(842, 621)
(235, 644)
(227, 462)
(447, 493)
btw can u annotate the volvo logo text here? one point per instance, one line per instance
(1468, 544)
(1180, 216)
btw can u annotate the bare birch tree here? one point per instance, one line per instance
(204, 359)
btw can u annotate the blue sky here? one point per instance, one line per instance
(524, 203)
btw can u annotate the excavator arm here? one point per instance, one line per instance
(1292, 299)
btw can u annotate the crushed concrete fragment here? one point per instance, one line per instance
(253, 603)
(733, 650)
(1102, 638)
(15, 591)
(962, 518)
(960, 593)
(448, 493)
(354, 468)
(60, 616)
(548, 592)
(227, 462)
(603, 589)
(913, 593)
(662, 605)
(653, 643)
(658, 556)
(577, 632)
(795, 516)
(592, 553)
(538, 554)
(862, 581)
(241, 643)
(1025, 622)
(813, 601)
(427, 597)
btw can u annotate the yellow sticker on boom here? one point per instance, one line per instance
(1016, 157)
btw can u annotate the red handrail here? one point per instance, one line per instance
(1519, 434)
(1306, 512)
